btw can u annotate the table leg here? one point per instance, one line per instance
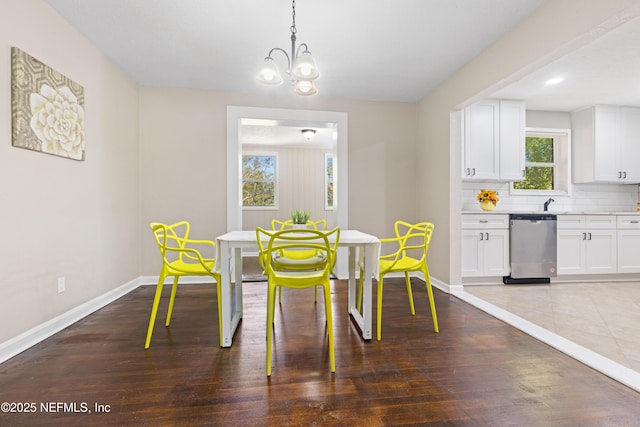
(353, 294)
(367, 294)
(225, 294)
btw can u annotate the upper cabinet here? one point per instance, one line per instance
(606, 144)
(494, 141)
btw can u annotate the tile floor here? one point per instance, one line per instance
(601, 317)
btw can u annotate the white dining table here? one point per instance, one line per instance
(364, 251)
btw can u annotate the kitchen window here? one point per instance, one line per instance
(259, 180)
(546, 163)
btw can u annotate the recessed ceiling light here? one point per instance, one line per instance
(554, 81)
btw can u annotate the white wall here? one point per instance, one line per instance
(63, 217)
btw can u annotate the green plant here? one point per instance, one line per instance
(300, 217)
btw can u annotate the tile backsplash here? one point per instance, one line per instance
(583, 198)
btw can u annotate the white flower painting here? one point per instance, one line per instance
(58, 121)
(47, 108)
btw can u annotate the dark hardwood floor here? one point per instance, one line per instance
(477, 371)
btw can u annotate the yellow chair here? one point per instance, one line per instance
(181, 256)
(412, 244)
(270, 244)
(297, 259)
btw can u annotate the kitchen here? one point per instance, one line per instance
(593, 296)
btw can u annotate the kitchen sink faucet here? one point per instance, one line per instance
(547, 203)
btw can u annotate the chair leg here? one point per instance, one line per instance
(219, 298)
(315, 294)
(174, 288)
(408, 281)
(432, 303)
(154, 310)
(280, 295)
(379, 320)
(329, 315)
(271, 297)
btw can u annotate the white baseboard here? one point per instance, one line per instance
(33, 336)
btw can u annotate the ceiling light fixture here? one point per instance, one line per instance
(554, 81)
(308, 133)
(300, 65)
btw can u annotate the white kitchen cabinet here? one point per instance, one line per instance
(587, 244)
(494, 141)
(485, 245)
(628, 243)
(606, 143)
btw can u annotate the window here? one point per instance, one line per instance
(328, 181)
(546, 164)
(259, 180)
(540, 164)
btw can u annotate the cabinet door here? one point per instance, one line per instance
(495, 253)
(481, 141)
(571, 251)
(512, 140)
(601, 252)
(606, 139)
(628, 250)
(629, 145)
(471, 266)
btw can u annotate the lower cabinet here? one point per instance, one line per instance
(485, 246)
(587, 244)
(628, 244)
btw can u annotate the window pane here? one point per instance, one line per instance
(536, 178)
(258, 180)
(329, 182)
(258, 194)
(539, 150)
(258, 167)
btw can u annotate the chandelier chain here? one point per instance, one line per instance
(293, 16)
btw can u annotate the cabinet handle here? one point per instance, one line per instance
(467, 171)
(619, 175)
(584, 236)
(624, 174)
(473, 171)
(484, 221)
(589, 236)
(487, 236)
(481, 236)
(634, 222)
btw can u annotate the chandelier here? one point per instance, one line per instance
(301, 67)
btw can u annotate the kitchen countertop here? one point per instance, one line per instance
(551, 212)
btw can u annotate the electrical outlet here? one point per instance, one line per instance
(61, 285)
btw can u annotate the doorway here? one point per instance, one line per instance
(338, 120)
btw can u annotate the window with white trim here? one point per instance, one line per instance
(259, 180)
(547, 166)
(328, 181)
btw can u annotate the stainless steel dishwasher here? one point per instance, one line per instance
(533, 248)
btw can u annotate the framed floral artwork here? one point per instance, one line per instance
(47, 108)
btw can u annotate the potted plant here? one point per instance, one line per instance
(300, 217)
(488, 199)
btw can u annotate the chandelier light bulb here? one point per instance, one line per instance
(269, 74)
(305, 88)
